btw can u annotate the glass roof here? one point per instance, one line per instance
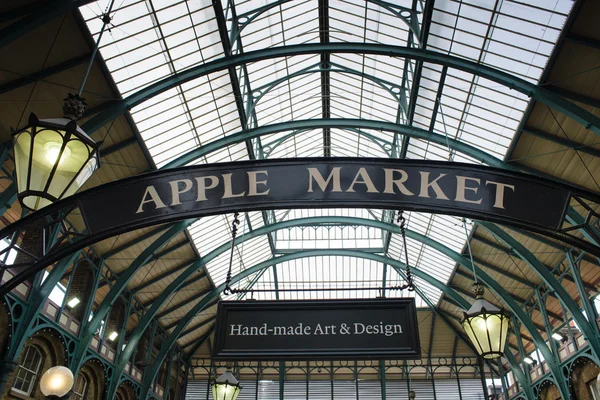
(149, 40)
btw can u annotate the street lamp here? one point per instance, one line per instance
(57, 382)
(226, 387)
(53, 157)
(486, 325)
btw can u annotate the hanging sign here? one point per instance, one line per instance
(317, 330)
(468, 190)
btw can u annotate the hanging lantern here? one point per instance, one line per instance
(226, 387)
(486, 325)
(56, 382)
(53, 157)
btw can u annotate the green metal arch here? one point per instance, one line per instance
(89, 329)
(537, 92)
(269, 147)
(387, 86)
(149, 375)
(547, 276)
(513, 306)
(341, 123)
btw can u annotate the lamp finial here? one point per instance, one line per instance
(478, 290)
(74, 106)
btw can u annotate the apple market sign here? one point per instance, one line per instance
(472, 191)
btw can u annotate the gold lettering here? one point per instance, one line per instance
(366, 180)
(499, 202)
(253, 183)
(202, 188)
(461, 188)
(154, 198)
(313, 173)
(175, 192)
(228, 188)
(390, 182)
(425, 185)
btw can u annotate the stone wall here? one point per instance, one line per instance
(49, 343)
(584, 372)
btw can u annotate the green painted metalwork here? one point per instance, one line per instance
(8, 197)
(393, 90)
(341, 123)
(591, 334)
(38, 17)
(90, 327)
(589, 308)
(28, 322)
(513, 305)
(150, 374)
(538, 93)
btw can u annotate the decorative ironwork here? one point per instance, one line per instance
(409, 285)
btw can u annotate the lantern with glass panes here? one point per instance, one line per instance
(226, 387)
(53, 157)
(485, 324)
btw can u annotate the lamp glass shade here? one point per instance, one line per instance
(487, 328)
(226, 387)
(57, 381)
(53, 159)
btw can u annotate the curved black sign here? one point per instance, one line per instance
(472, 191)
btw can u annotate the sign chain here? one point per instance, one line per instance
(229, 290)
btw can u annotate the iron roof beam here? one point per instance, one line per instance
(182, 303)
(578, 97)
(118, 146)
(44, 73)
(536, 92)
(197, 326)
(135, 241)
(90, 327)
(161, 276)
(586, 41)
(199, 342)
(512, 252)
(414, 92)
(209, 305)
(38, 16)
(323, 6)
(563, 141)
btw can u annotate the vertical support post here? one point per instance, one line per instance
(281, 379)
(355, 368)
(571, 335)
(482, 376)
(457, 382)
(123, 331)
(503, 380)
(331, 379)
(542, 306)
(307, 378)
(168, 377)
(522, 353)
(382, 379)
(151, 342)
(186, 378)
(590, 310)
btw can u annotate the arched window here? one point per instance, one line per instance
(28, 370)
(80, 387)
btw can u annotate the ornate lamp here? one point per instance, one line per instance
(53, 157)
(57, 382)
(226, 387)
(486, 325)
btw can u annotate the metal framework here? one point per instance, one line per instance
(419, 60)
